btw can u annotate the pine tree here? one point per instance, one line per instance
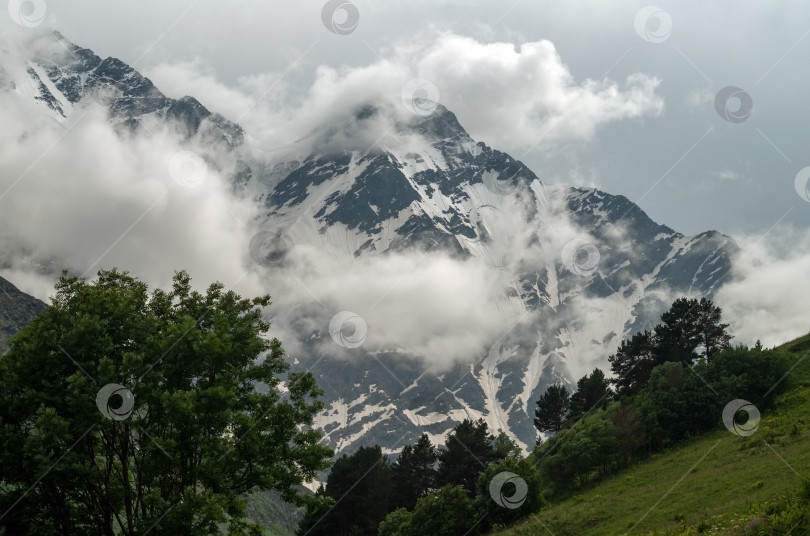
(552, 409)
(677, 336)
(467, 452)
(414, 473)
(593, 390)
(711, 331)
(359, 487)
(691, 329)
(633, 362)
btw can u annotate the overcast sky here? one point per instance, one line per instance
(685, 165)
(696, 112)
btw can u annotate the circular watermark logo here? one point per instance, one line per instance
(733, 104)
(106, 92)
(518, 496)
(801, 183)
(340, 16)
(187, 169)
(502, 186)
(653, 24)
(348, 329)
(27, 13)
(734, 411)
(270, 248)
(108, 405)
(581, 257)
(420, 96)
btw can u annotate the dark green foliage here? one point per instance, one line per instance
(712, 335)
(201, 435)
(466, 454)
(684, 401)
(449, 512)
(397, 523)
(691, 329)
(552, 409)
(573, 456)
(672, 384)
(504, 447)
(358, 494)
(676, 337)
(414, 473)
(630, 433)
(632, 363)
(499, 515)
(593, 391)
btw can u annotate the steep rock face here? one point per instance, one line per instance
(440, 190)
(581, 268)
(16, 310)
(61, 75)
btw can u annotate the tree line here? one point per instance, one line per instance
(669, 383)
(125, 412)
(428, 489)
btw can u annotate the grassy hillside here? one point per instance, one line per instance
(719, 483)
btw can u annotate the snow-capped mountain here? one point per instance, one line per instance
(582, 267)
(578, 269)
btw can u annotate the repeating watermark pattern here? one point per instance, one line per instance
(343, 334)
(120, 412)
(187, 169)
(733, 409)
(270, 248)
(733, 104)
(27, 13)
(653, 24)
(420, 96)
(340, 17)
(581, 257)
(517, 498)
(801, 183)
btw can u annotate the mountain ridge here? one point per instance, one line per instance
(580, 268)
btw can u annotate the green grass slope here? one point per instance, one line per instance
(719, 483)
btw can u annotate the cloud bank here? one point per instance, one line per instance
(512, 96)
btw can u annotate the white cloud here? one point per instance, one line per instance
(513, 97)
(768, 290)
(86, 198)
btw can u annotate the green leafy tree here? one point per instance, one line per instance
(552, 409)
(449, 512)
(397, 523)
(593, 391)
(510, 498)
(632, 363)
(630, 433)
(414, 473)
(124, 412)
(358, 488)
(466, 454)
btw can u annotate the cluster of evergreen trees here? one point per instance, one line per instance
(668, 384)
(427, 490)
(689, 331)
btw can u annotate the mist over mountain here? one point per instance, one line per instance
(421, 275)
